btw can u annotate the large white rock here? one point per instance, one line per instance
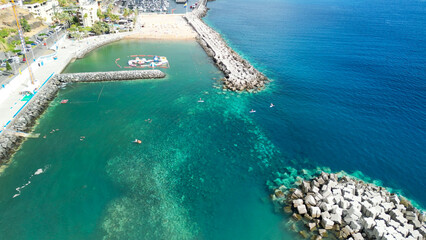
(329, 199)
(336, 191)
(309, 199)
(387, 206)
(410, 215)
(345, 232)
(325, 215)
(344, 204)
(388, 237)
(297, 193)
(394, 199)
(403, 231)
(301, 209)
(416, 235)
(337, 210)
(384, 216)
(368, 223)
(379, 231)
(297, 203)
(315, 212)
(326, 193)
(327, 223)
(394, 224)
(364, 206)
(356, 227)
(357, 236)
(336, 218)
(372, 212)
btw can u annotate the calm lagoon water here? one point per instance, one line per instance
(349, 87)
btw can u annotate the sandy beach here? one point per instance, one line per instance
(162, 26)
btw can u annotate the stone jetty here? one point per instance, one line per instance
(109, 76)
(345, 208)
(25, 119)
(239, 74)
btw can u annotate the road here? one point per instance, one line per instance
(35, 52)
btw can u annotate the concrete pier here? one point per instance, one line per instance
(239, 74)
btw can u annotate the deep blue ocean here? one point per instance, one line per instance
(349, 82)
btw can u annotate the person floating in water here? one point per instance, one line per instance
(272, 105)
(137, 141)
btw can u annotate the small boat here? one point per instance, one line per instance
(201, 100)
(64, 101)
(252, 111)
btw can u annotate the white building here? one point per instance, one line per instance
(87, 12)
(44, 10)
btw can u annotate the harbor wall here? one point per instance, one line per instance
(239, 74)
(25, 119)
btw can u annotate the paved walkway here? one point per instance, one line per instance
(11, 97)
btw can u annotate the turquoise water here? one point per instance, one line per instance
(348, 89)
(199, 173)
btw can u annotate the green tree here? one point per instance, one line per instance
(100, 28)
(63, 17)
(8, 67)
(100, 14)
(25, 26)
(126, 12)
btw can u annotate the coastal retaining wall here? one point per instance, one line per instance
(105, 39)
(239, 73)
(25, 119)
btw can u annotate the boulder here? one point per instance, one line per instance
(336, 218)
(327, 223)
(345, 232)
(315, 212)
(323, 233)
(367, 223)
(297, 203)
(297, 194)
(312, 226)
(301, 209)
(357, 236)
(309, 199)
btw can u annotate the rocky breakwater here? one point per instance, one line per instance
(347, 208)
(239, 74)
(109, 76)
(25, 119)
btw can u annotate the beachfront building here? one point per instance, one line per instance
(87, 12)
(44, 10)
